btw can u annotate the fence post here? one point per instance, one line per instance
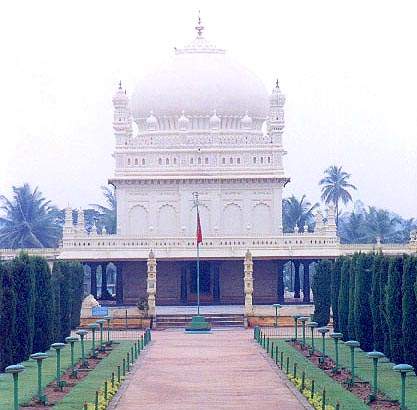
(276, 355)
(288, 365)
(282, 360)
(128, 361)
(303, 381)
(96, 401)
(124, 367)
(295, 370)
(312, 389)
(323, 403)
(105, 391)
(118, 373)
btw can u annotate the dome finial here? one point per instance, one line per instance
(120, 84)
(277, 83)
(199, 27)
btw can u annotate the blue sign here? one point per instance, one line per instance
(100, 311)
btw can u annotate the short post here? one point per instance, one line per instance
(303, 381)
(108, 319)
(118, 374)
(105, 391)
(132, 354)
(82, 333)
(276, 355)
(112, 380)
(142, 343)
(14, 370)
(96, 401)
(375, 356)
(136, 350)
(403, 369)
(323, 330)
(312, 389)
(295, 370)
(296, 317)
(124, 367)
(71, 340)
(282, 360)
(101, 322)
(40, 357)
(336, 336)
(128, 361)
(267, 344)
(323, 398)
(276, 306)
(288, 365)
(303, 320)
(58, 347)
(352, 344)
(93, 327)
(312, 326)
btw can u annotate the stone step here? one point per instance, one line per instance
(216, 320)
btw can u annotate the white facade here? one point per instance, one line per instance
(204, 124)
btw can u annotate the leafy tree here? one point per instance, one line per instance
(383, 279)
(297, 213)
(343, 305)
(321, 292)
(29, 220)
(335, 287)
(77, 291)
(380, 224)
(7, 317)
(375, 303)
(363, 314)
(24, 284)
(335, 187)
(409, 311)
(393, 308)
(108, 212)
(44, 309)
(352, 228)
(352, 285)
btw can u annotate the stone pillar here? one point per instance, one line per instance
(93, 267)
(119, 283)
(296, 279)
(306, 281)
(248, 282)
(280, 282)
(151, 284)
(104, 292)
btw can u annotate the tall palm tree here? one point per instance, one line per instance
(108, 212)
(297, 213)
(335, 187)
(352, 228)
(28, 220)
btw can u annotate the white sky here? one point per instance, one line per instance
(348, 70)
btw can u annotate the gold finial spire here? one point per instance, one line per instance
(120, 84)
(277, 83)
(199, 27)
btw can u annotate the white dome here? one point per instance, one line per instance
(198, 80)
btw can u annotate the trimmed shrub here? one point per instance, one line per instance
(352, 282)
(409, 311)
(383, 279)
(335, 286)
(393, 308)
(77, 291)
(321, 292)
(343, 306)
(44, 309)
(7, 317)
(362, 308)
(24, 285)
(375, 304)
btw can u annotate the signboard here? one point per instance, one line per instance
(100, 311)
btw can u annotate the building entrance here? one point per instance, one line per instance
(206, 283)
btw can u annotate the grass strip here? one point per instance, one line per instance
(28, 380)
(85, 390)
(335, 392)
(389, 381)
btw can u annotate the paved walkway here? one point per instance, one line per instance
(222, 370)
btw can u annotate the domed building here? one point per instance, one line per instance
(207, 133)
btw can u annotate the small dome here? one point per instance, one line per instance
(183, 122)
(214, 121)
(246, 121)
(151, 122)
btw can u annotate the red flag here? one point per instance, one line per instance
(199, 232)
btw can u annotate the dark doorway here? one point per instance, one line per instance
(206, 283)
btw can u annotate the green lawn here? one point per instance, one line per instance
(85, 390)
(388, 381)
(28, 380)
(334, 391)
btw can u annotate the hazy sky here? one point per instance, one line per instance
(348, 70)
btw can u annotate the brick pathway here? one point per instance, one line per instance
(222, 370)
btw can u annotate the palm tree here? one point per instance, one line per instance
(29, 220)
(352, 228)
(297, 213)
(108, 212)
(335, 187)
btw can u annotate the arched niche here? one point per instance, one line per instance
(261, 219)
(232, 220)
(167, 221)
(138, 221)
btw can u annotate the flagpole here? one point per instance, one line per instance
(198, 259)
